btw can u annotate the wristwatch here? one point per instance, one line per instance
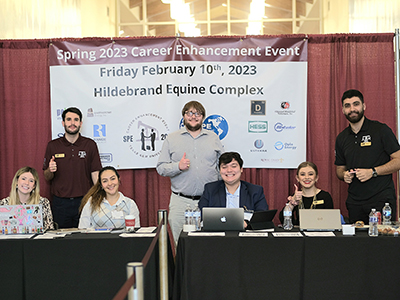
(374, 173)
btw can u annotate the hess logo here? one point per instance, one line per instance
(223, 219)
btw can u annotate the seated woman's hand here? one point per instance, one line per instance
(292, 201)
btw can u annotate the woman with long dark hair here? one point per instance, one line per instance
(104, 206)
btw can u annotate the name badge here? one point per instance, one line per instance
(59, 155)
(316, 202)
(117, 214)
(367, 144)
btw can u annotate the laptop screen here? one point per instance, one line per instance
(223, 219)
(21, 219)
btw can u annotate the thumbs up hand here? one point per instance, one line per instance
(296, 198)
(184, 163)
(52, 165)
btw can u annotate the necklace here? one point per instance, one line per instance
(313, 201)
(312, 206)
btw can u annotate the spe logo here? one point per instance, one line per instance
(99, 131)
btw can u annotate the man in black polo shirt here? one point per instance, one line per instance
(367, 153)
(71, 164)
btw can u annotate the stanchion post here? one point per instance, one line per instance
(136, 292)
(163, 254)
(397, 63)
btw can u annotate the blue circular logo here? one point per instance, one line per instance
(258, 144)
(278, 127)
(218, 124)
(278, 145)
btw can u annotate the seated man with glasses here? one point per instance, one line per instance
(189, 157)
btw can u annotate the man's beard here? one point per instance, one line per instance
(193, 128)
(356, 119)
(72, 132)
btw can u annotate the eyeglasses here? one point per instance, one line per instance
(191, 114)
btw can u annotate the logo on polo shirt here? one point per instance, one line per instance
(82, 154)
(366, 141)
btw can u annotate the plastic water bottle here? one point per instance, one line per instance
(189, 224)
(287, 217)
(197, 217)
(387, 214)
(188, 212)
(373, 223)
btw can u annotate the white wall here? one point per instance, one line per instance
(336, 16)
(98, 18)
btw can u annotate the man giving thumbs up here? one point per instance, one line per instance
(189, 157)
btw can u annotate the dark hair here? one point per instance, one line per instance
(96, 192)
(196, 105)
(74, 110)
(227, 157)
(352, 93)
(108, 168)
(307, 164)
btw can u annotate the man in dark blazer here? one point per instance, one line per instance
(231, 191)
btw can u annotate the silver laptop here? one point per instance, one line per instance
(320, 219)
(223, 219)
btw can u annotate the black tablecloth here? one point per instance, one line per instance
(341, 267)
(80, 266)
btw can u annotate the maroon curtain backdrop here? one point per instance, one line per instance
(335, 63)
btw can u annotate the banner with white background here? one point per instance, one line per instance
(131, 93)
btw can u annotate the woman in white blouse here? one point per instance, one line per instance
(104, 206)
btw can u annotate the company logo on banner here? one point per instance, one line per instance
(285, 109)
(145, 135)
(279, 127)
(284, 146)
(99, 133)
(92, 113)
(106, 158)
(218, 124)
(258, 108)
(215, 123)
(131, 92)
(258, 126)
(59, 113)
(259, 145)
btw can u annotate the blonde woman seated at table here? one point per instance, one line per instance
(104, 206)
(25, 189)
(309, 197)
